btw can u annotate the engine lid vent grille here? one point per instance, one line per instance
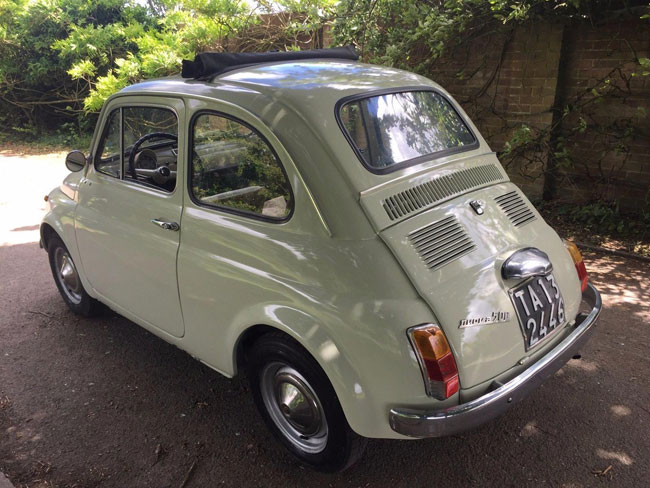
(441, 242)
(515, 208)
(437, 189)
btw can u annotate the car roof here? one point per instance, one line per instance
(328, 79)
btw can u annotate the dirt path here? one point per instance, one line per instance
(103, 403)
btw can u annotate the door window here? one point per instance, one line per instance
(150, 146)
(233, 167)
(148, 138)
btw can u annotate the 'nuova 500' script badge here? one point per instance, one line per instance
(495, 318)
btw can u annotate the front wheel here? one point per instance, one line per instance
(68, 281)
(299, 405)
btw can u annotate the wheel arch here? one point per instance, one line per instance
(246, 340)
(46, 232)
(317, 342)
(251, 334)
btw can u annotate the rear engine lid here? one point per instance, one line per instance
(453, 254)
(402, 198)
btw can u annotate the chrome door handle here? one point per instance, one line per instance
(166, 225)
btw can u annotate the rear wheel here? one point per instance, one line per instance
(68, 281)
(299, 405)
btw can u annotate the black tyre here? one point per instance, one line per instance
(67, 280)
(299, 405)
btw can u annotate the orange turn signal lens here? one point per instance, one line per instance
(431, 343)
(574, 251)
(576, 255)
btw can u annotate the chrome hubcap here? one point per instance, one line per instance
(297, 403)
(67, 275)
(294, 407)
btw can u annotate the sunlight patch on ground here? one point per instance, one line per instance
(24, 181)
(583, 364)
(635, 296)
(638, 298)
(530, 429)
(621, 457)
(620, 410)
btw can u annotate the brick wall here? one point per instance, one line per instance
(594, 53)
(517, 78)
(508, 80)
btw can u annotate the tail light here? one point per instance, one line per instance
(436, 360)
(580, 264)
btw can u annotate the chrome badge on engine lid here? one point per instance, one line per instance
(495, 318)
(540, 308)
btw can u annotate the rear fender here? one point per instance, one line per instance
(369, 364)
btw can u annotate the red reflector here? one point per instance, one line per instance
(582, 275)
(446, 367)
(451, 386)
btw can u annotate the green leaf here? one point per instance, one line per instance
(82, 70)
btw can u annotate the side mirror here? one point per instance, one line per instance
(75, 161)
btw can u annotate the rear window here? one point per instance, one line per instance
(391, 130)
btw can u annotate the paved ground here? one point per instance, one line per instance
(102, 403)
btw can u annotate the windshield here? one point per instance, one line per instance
(391, 129)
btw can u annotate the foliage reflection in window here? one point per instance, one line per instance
(232, 166)
(109, 161)
(390, 129)
(139, 121)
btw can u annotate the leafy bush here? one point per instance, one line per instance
(61, 59)
(411, 34)
(41, 40)
(599, 217)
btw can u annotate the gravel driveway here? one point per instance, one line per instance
(102, 402)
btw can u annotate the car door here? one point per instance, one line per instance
(240, 228)
(130, 205)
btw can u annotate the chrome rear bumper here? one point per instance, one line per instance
(416, 423)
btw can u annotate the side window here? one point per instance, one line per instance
(150, 146)
(109, 161)
(233, 167)
(356, 126)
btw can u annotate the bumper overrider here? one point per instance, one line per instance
(452, 420)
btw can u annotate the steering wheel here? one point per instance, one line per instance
(142, 140)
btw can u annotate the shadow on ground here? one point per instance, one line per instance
(102, 402)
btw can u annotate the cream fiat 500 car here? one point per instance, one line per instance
(338, 230)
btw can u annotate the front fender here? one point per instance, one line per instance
(61, 219)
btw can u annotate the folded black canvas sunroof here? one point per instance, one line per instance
(206, 65)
